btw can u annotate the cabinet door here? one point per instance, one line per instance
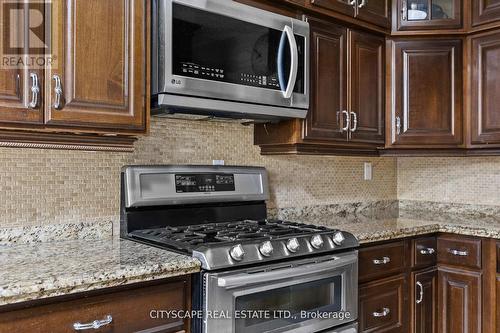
(459, 301)
(424, 299)
(347, 7)
(15, 82)
(101, 53)
(429, 14)
(485, 113)
(427, 94)
(325, 118)
(485, 11)
(367, 87)
(375, 11)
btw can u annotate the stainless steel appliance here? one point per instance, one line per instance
(258, 274)
(222, 58)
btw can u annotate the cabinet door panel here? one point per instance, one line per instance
(376, 12)
(428, 93)
(429, 14)
(424, 298)
(367, 87)
(459, 301)
(100, 47)
(485, 115)
(328, 82)
(485, 11)
(341, 6)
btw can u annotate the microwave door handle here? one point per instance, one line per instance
(239, 280)
(294, 60)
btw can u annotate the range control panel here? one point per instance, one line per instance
(188, 183)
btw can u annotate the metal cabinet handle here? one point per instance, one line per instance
(35, 91)
(352, 3)
(427, 251)
(458, 252)
(404, 11)
(421, 293)
(384, 313)
(348, 122)
(58, 92)
(354, 126)
(398, 125)
(383, 261)
(96, 324)
(363, 3)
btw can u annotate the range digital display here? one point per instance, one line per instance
(188, 183)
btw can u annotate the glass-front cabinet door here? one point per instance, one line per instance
(429, 14)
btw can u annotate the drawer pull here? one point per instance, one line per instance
(427, 251)
(96, 324)
(458, 253)
(421, 292)
(384, 313)
(383, 261)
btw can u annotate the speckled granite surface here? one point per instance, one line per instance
(34, 271)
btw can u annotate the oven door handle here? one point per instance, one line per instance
(294, 62)
(244, 279)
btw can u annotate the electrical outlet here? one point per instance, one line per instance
(218, 162)
(368, 171)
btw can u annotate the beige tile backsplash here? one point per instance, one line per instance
(471, 180)
(56, 186)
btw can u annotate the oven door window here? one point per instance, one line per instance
(288, 305)
(215, 47)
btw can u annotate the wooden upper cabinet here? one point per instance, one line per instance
(426, 95)
(485, 11)
(375, 11)
(485, 112)
(428, 14)
(342, 6)
(325, 118)
(101, 63)
(367, 87)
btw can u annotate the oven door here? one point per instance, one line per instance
(308, 296)
(229, 51)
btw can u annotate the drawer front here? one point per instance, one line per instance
(382, 305)
(424, 252)
(459, 251)
(130, 311)
(381, 260)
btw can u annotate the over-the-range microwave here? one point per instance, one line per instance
(223, 58)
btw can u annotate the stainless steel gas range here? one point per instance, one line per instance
(258, 274)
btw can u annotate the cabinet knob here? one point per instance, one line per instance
(383, 313)
(458, 252)
(354, 122)
(35, 91)
(383, 261)
(345, 115)
(96, 324)
(58, 92)
(427, 251)
(398, 125)
(421, 292)
(363, 3)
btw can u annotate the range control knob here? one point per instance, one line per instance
(293, 244)
(237, 252)
(266, 248)
(338, 238)
(317, 241)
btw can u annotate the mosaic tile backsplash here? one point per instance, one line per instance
(40, 187)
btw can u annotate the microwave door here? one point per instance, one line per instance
(228, 51)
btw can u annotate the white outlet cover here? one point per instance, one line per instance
(368, 169)
(218, 162)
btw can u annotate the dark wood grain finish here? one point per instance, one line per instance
(376, 12)
(367, 86)
(371, 260)
(424, 251)
(101, 52)
(485, 11)
(424, 305)
(341, 6)
(428, 93)
(459, 300)
(471, 248)
(498, 258)
(130, 310)
(485, 113)
(328, 82)
(387, 295)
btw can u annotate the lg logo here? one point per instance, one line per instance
(22, 35)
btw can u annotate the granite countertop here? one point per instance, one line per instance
(35, 271)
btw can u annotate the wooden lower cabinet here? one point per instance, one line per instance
(459, 301)
(130, 311)
(423, 301)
